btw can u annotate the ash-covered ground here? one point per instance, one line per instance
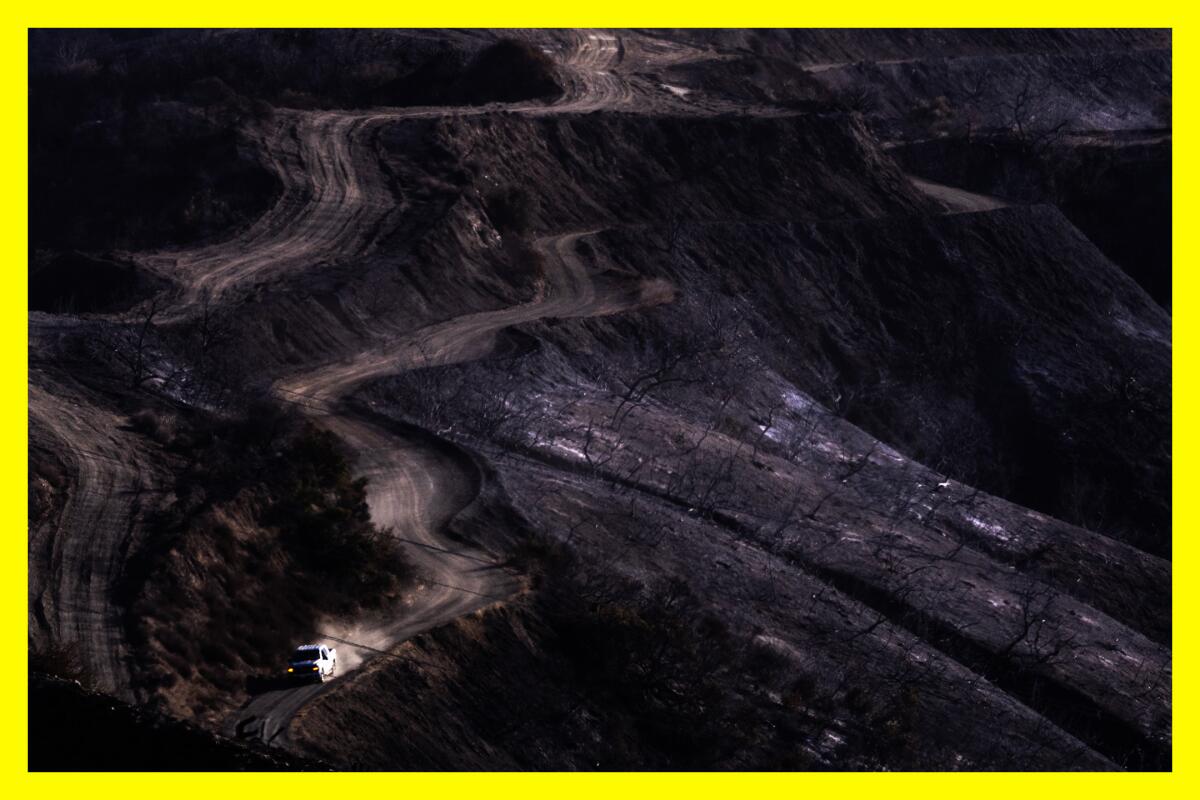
(638, 399)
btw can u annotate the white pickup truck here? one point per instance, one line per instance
(313, 661)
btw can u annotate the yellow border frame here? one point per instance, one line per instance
(612, 13)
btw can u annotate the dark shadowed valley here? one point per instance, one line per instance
(600, 400)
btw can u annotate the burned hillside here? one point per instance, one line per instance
(764, 400)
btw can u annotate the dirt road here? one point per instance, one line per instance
(334, 200)
(957, 201)
(327, 211)
(73, 597)
(415, 489)
(334, 197)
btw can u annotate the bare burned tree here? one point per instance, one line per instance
(855, 466)
(797, 437)
(205, 344)
(190, 360)
(667, 369)
(597, 449)
(132, 345)
(836, 393)
(430, 391)
(973, 100)
(1029, 114)
(1036, 640)
(687, 475)
(1095, 71)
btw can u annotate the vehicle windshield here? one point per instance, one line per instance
(305, 654)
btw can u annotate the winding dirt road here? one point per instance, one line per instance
(416, 490)
(413, 489)
(333, 202)
(75, 598)
(329, 208)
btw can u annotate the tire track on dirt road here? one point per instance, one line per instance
(80, 552)
(334, 197)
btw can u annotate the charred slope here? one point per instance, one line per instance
(688, 435)
(1118, 194)
(289, 68)
(444, 243)
(75, 729)
(141, 139)
(810, 557)
(93, 512)
(602, 168)
(1031, 116)
(817, 46)
(1001, 348)
(1035, 369)
(1031, 93)
(721, 464)
(690, 453)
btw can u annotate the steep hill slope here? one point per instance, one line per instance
(712, 438)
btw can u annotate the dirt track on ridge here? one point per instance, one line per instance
(332, 203)
(415, 489)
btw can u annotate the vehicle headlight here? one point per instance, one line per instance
(290, 669)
